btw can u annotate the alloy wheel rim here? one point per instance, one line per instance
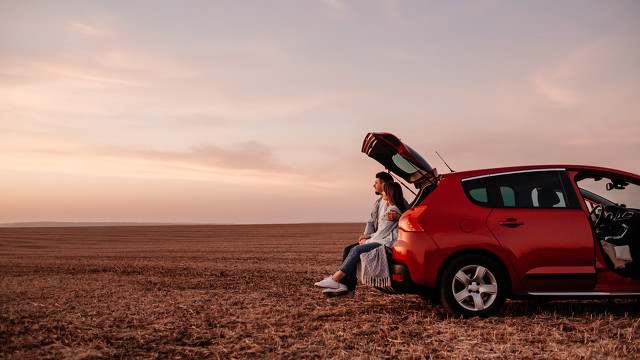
(474, 287)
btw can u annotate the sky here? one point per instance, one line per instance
(255, 111)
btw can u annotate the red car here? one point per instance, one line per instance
(472, 239)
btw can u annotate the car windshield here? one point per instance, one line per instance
(618, 191)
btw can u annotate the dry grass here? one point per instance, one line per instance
(247, 291)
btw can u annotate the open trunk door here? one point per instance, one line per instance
(399, 158)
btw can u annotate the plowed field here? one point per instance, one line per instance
(247, 292)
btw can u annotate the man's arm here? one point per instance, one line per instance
(394, 216)
(372, 224)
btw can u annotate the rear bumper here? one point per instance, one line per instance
(401, 280)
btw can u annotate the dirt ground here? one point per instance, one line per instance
(247, 292)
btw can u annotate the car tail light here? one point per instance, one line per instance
(410, 219)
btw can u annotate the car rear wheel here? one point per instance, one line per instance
(473, 285)
(430, 296)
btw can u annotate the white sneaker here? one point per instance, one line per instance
(328, 282)
(341, 291)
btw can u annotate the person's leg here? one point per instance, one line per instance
(346, 250)
(331, 284)
(349, 266)
(350, 263)
(350, 280)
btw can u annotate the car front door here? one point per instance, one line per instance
(543, 230)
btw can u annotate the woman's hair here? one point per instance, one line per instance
(394, 192)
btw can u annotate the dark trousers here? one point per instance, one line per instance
(351, 279)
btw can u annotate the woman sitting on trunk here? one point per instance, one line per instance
(386, 235)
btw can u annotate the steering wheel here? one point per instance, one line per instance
(597, 214)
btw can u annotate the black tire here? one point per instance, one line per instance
(432, 297)
(473, 285)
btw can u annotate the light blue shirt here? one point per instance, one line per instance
(387, 232)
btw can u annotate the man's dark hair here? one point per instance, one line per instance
(385, 177)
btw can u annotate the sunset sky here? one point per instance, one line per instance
(254, 111)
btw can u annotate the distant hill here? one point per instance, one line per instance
(89, 224)
(83, 224)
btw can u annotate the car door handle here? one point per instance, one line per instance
(511, 222)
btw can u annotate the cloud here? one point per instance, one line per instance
(337, 6)
(549, 83)
(88, 30)
(52, 72)
(580, 76)
(247, 156)
(390, 8)
(117, 80)
(556, 82)
(240, 160)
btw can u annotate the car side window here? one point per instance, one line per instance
(532, 190)
(508, 196)
(476, 191)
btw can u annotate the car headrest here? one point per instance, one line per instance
(547, 197)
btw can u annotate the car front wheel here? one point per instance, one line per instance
(473, 285)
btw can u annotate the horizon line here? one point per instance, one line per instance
(29, 224)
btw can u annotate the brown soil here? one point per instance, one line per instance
(247, 291)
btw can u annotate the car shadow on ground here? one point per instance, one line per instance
(523, 308)
(616, 307)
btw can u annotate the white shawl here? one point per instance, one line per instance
(373, 269)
